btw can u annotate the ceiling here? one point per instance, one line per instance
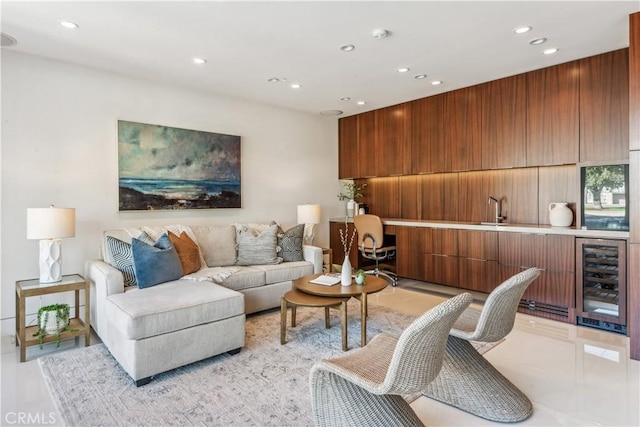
(246, 43)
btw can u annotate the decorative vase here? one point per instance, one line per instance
(560, 215)
(360, 277)
(351, 208)
(345, 277)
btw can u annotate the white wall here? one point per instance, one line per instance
(59, 145)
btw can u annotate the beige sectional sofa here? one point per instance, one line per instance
(160, 327)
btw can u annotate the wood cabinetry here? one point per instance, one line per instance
(427, 144)
(634, 84)
(366, 144)
(409, 254)
(440, 256)
(552, 295)
(348, 147)
(552, 115)
(604, 107)
(634, 185)
(393, 140)
(462, 125)
(477, 263)
(504, 114)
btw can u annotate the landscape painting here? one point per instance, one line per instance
(167, 168)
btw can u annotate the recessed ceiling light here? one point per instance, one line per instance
(360, 102)
(347, 48)
(522, 29)
(402, 69)
(550, 51)
(330, 112)
(345, 98)
(436, 82)
(199, 61)
(69, 24)
(537, 41)
(7, 40)
(380, 34)
(295, 86)
(420, 76)
(273, 80)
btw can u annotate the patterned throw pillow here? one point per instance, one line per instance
(290, 242)
(155, 264)
(122, 256)
(188, 252)
(257, 248)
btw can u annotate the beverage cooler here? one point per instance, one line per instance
(601, 284)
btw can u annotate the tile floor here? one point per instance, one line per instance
(574, 376)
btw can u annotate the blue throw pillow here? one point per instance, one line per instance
(155, 264)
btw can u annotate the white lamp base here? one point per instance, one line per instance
(50, 260)
(308, 234)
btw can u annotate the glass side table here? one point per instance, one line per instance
(33, 287)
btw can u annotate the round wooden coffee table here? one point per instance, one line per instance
(374, 284)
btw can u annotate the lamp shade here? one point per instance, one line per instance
(51, 223)
(309, 214)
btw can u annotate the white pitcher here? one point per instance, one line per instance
(560, 215)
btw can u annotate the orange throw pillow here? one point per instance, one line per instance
(188, 252)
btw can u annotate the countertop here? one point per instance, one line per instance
(510, 228)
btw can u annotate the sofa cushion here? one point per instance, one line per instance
(257, 248)
(156, 232)
(218, 244)
(155, 264)
(290, 243)
(188, 252)
(171, 306)
(120, 256)
(285, 271)
(245, 277)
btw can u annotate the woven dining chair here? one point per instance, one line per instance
(496, 319)
(467, 380)
(365, 387)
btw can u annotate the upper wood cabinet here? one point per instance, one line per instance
(393, 140)
(604, 107)
(427, 145)
(634, 86)
(504, 114)
(366, 144)
(348, 147)
(552, 115)
(462, 129)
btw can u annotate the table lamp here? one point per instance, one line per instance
(309, 215)
(50, 225)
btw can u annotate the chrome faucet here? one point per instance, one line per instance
(499, 217)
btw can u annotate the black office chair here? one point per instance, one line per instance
(371, 244)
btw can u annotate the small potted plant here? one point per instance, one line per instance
(351, 192)
(52, 320)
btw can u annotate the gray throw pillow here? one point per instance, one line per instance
(122, 256)
(257, 248)
(290, 242)
(155, 264)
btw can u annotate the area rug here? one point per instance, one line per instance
(266, 384)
